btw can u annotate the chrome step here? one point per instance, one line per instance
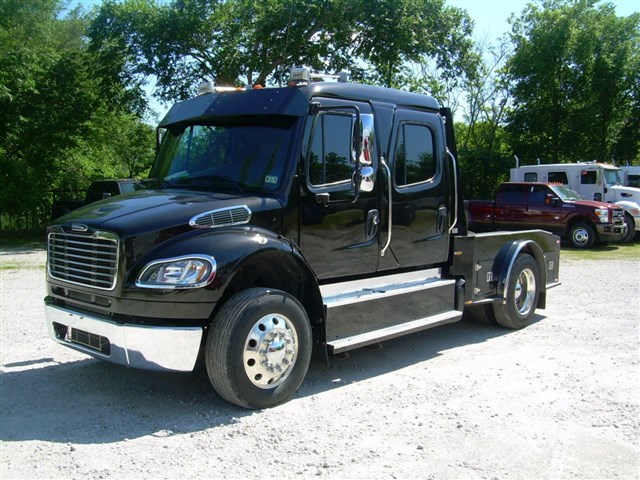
(360, 340)
(346, 293)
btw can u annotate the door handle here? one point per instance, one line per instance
(373, 220)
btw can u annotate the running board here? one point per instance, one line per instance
(348, 293)
(360, 340)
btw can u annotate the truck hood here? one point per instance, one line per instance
(630, 194)
(156, 210)
(591, 203)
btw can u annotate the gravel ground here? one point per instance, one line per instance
(557, 400)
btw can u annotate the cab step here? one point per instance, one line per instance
(346, 293)
(356, 341)
(367, 311)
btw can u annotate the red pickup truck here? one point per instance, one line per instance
(555, 208)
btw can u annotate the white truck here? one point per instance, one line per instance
(592, 181)
(631, 175)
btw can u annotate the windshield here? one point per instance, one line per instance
(612, 177)
(239, 154)
(566, 194)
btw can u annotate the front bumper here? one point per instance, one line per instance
(145, 347)
(611, 233)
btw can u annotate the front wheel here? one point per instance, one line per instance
(523, 290)
(631, 228)
(258, 348)
(581, 235)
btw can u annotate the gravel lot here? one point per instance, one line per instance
(557, 400)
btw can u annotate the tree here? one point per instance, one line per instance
(237, 42)
(62, 125)
(574, 73)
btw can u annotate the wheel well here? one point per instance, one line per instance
(279, 271)
(577, 220)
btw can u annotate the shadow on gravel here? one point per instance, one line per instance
(90, 401)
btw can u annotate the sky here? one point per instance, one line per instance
(491, 16)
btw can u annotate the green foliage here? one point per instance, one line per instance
(62, 125)
(575, 73)
(233, 42)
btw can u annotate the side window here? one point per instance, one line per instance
(531, 177)
(330, 152)
(558, 177)
(537, 195)
(512, 194)
(415, 160)
(588, 177)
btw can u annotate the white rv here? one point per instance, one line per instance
(592, 181)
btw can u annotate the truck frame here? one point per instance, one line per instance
(317, 217)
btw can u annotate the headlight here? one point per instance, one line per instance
(193, 271)
(603, 214)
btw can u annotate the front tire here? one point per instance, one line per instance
(581, 235)
(258, 348)
(631, 228)
(523, 290)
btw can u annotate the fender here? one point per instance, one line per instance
(245, 256)
(503, 264)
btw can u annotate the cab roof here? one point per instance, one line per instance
(290, 100)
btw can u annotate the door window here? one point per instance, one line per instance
(330, 149)
(588, 177)
(414, 155)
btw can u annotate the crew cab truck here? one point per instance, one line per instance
(555, 208)
(319, 216)
(592, 181)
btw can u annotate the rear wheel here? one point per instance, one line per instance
(258, 348)
(482, 314)
(523, 290)
(581, 235)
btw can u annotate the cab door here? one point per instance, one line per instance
(420, 197)
(338, 228)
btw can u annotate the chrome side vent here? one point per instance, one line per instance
(222, 217)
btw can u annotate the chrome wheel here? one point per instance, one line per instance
(525, 291)
(270, 351)
(580, 237)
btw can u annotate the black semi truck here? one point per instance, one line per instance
(321, 216)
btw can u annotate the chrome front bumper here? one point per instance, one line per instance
(145, 347)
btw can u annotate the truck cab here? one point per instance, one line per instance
(320, 216)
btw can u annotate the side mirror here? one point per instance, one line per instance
(548, 199)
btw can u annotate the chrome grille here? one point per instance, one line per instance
(223, 217)
(618, 216)
(90, 260)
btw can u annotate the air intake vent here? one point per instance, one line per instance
(223, 217)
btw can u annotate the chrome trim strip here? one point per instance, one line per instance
(145, 347)
(356, 341)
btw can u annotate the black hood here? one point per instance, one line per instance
(156, 210)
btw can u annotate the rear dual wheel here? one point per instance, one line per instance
(516, 310)
(258, 348)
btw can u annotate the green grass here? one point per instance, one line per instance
(21, 266)
(617, 251)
